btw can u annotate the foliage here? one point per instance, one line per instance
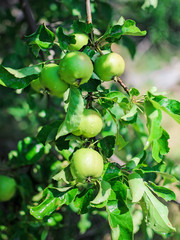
(47, 193)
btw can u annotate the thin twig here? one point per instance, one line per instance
(118, 79)
(176, 202)
(89, 99)
(88, 11)
(28, 14)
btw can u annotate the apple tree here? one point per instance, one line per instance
(101, 149)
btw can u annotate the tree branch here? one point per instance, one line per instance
(88, 11)
(29, 15)
(118, 79)
(176, 202)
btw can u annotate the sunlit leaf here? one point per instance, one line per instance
(136, 186)
(156, 213)
(74, 112)
(162, 192)
(18, 78)
(103, 195)
(55, 198)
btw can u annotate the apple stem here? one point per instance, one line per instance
(78, 80)
(89, 99)
(118, 79)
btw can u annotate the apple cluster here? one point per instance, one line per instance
(86, 163)
(76, 68)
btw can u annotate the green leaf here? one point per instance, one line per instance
(149, 3)
(13, 60)
(130, 44)
(29, 151)
(120, 221)
(120, 190)
(62, 143)
(134, 92)
(163, 143)
(111, 171)
(79, 26)
(154, 117)
(127, 27)
(160, 146)
(120, 142)
(156, 213)
(74, 112)
(166, 176)
(131, 116)
(48, 132)
(91, 85)
(63, 39)
(162, 192)
(19, 78)
(170, 106)
(136, 186)
(55, 198)
(64, 175)
(102, 197)
(139, 158)
(43, 38)
(107, 145)
(117, 97)
(82, 201)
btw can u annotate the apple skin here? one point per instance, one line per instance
(90, 125)
(36, 85)
(86, 163)
(50, 80)
(108, 66)
(81, 40)
(7, 188)
(75, 68)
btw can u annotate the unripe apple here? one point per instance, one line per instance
(109, 66)
(86, 164)
(36, 85)
(81, 40)
(75, 68)
(50, 80)
(7, 188)
(90, 125)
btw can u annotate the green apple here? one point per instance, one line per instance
(109, 66)
(86, 164)
(50, 80)
(36, 85)
(81, 40)
(75, 68)
(7, 188)
(90, 125)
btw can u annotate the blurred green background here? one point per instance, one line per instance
(153, 60)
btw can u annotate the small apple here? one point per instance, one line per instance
(81, 40)
(86, 164)
(50, 80)
(109, 66)
(36, 85)
(7, 188)
(75, 68)
(90, 125)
